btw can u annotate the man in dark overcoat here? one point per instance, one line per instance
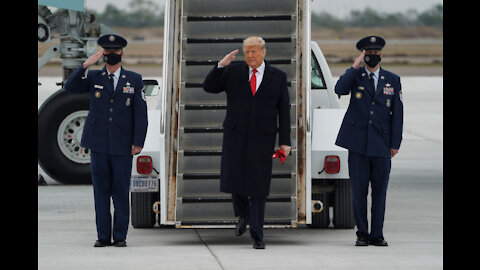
(257, 100)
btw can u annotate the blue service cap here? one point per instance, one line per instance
(370, 43)
(111, 41)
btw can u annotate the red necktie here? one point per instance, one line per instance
(253, 82)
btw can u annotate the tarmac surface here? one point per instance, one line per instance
(413, 220)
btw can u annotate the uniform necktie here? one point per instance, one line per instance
(372, 82)
(111, 81)
(253, 82)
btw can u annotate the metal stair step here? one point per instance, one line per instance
(194, 209)
(211, 62)
(209, 187)
(202, 152)
(203, 129)
(229, 199)
(214, 48)
(200, 84)
(234, 222)
(222, 7)
(239, 18)
(196, 71)
(212, 117)
(205, 106)
(195, 164)
(236, 40)
(197, 95)
(201, 176)
(239, 26)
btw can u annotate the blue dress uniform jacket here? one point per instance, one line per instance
(372, 124)
(117, 119)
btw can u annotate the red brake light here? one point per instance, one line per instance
(144, 164)
(332, 164)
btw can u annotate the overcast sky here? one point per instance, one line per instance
(338, 8)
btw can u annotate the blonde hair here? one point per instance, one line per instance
(253, 41)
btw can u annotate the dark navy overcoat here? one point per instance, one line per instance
(250, 126)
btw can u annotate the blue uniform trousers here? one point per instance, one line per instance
(111, 178)
(254, 209)
(364, 170)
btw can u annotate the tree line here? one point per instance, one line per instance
(371, 18)
(145, 13)
(141, 13)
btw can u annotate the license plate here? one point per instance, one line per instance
(143, 183)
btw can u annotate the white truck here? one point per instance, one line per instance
(175, 179)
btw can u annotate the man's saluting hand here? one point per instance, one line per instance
(228, 58)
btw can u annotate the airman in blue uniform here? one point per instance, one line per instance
(114, 131)
(372, 132)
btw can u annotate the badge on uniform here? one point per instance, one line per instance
(388, 103)
(97, 94)
(358, 95)
(387, 90)
(127, 89)
(128, 102)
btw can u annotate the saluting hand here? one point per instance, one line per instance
(92, 59)
(358, 61)
(228, 58)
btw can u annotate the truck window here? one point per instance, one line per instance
(317, 77)
(151, 87)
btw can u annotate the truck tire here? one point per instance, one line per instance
(60, 125)
(343, 217)
(322, 219)
(142, 214)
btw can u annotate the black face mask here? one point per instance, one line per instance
(112, 58)
(372, 60)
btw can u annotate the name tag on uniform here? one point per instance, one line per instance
(361, 88)
(98, 86)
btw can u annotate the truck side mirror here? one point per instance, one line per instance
(151, 87)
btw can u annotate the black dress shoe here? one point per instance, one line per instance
(258, 244)
(241, 226)
(380, 242)
(362, 241)
(102, 243)
(119, 243)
